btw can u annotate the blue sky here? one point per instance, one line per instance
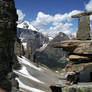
(32, 7)
(44, 14)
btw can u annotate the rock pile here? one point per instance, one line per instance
(80, 52)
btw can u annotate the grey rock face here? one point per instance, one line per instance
(34, 41)
(34, 38)
(8, 18)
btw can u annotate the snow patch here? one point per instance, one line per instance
(24, 45)
(43, 47)
(25, 61)
(21, 85)
(23, 72)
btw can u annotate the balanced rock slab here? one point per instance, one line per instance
(83, 32)
(71, 57)
(75, 46)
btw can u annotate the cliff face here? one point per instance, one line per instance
(8, 18)
(50, 56)
(32, 37)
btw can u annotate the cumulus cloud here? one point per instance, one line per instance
(52, 25)
(21, 15)
(88, 7)
(42, 20)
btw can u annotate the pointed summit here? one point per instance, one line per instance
(26, 25)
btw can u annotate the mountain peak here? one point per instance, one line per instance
(26, 25)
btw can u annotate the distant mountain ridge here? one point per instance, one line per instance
(51, 56)
(26, 25)
(40, 45)
(30, 35)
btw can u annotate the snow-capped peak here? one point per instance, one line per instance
(26, 25)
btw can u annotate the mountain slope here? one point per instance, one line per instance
(35, 79)
(30, 36)
(49, 56)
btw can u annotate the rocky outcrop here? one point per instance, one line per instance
(8, 18)
(79, 53)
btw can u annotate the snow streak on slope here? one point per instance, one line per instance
(34, 79)
(21, 85)
(23, 72)
(24, 45)
(25, 61)
(43, 47)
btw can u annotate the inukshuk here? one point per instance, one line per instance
(80, 51)
(8, 18)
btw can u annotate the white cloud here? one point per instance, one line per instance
(21, 15)
(65, 28)
(91, 17)
(42, 20)
(89, 6)
(52, 25)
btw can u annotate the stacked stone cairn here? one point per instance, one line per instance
(80, 50)
(8, 34)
